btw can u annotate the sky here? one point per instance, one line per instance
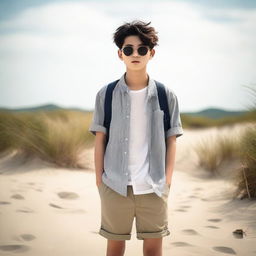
(62, 52)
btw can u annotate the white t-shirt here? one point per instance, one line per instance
(138, 162)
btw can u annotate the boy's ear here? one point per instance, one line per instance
(152, 53)
(119, 52)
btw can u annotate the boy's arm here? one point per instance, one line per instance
(170, 158)
(99, 151)
(98, 129)
(172, 134)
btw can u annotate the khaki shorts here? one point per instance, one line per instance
(118, 212)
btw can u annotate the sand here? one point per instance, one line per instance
(54, 211)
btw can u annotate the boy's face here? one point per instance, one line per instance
(135, 43)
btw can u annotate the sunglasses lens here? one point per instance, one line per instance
(127, 50)
(142, 50)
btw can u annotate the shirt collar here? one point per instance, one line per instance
(152, 91)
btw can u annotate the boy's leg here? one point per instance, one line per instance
(152, 220)
(115, 247)
(152, 246)
(117, 214)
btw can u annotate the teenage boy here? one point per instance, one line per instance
(134, 165)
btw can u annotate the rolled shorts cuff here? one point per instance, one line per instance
(141, 235)
(114, 236)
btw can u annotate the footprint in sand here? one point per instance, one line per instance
(14, 248)
(224, 249)
(190, 232)
(181, 210)
(214, 227)
(17, 196)
(5, 202)
(214, 220)
(68, 195)
(181, 244)
(25, 209)
(56, 206)
(205, 199)
(25, 237)
(198, 189)
(37, 187)
(193, 196)
(31, 183)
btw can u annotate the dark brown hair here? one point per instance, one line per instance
(142, 29)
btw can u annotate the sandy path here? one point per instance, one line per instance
(49, 211)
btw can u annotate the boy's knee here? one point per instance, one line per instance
(152, 247)
(115, 247)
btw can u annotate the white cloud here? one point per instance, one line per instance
(64, 52)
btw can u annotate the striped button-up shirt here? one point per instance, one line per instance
(116, 173)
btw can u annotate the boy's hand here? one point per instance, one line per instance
(98, 182)
(168, 182)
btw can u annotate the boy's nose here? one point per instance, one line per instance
(135, 52)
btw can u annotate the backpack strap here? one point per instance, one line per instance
(108, 106)
(163, 102)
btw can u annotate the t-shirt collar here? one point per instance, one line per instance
(151, 86)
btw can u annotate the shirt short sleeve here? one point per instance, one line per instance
(98, 116)
(175, 120)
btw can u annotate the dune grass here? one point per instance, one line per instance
(213, 151)
(54, 136)
(246, 178)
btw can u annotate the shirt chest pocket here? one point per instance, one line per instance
(157, 124)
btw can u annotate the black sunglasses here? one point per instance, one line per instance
(142, 50)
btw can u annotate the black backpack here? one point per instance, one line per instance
(162, 98)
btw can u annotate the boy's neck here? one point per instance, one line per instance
(136, 80)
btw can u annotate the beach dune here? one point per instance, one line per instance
(52, 211)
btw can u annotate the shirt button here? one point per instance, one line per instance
(126, 173)
(126, 138)
(127, 116)
(125, 152)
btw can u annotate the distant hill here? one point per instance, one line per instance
(47, 107)
(213, 113)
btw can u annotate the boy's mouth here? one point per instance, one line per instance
(135, 61)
